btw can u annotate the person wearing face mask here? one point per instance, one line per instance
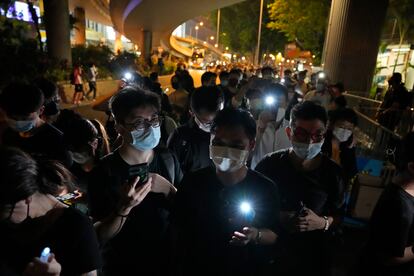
(131, 214)
(271, 122)
(321, 94)
(87, 146)
(190, 142)
(23, 104)
(312, 193)
(51, 100)
(31, 218)
(339, 142)
(226, 216)
(208, 79)
(233, 88)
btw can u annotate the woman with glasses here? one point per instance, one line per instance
(131, 189)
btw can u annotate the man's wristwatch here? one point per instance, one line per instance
(326, 223)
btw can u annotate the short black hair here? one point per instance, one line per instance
(340, 86)
(236, 71)
(80, 134)
(224, 75)
(308, 110)
(20, 98)
(343, 114)
(230, 117)
(267, 70)
(209, 99)
(207, 76)
(340, 102)
(129, 98)
(153, 76)
(48, 87)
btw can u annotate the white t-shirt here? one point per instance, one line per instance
(272, 139)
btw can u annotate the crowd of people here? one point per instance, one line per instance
(245, 175)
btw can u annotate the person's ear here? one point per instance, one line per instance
(252, 145)
(41, 110)
(288, 130)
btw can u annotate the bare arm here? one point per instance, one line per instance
(408, 257)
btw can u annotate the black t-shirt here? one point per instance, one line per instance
(191, 146)
(71, 238)
(391, 231)
(140, 246)
(206, 215)
(47, 143)
(321, 190)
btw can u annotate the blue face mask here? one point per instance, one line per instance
(146, 139)
(307, 151)
(21, 126)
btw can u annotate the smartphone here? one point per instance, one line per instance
(140, 170)
(301, 212)
(69, 198)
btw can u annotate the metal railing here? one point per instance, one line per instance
(375, 140)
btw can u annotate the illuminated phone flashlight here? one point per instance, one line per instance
(282, 80)
(246, 208)
(270, 100)
(128, 76)
(44, 256)
(321, 75)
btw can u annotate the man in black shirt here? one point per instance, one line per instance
(132, 216)
(227, 216)
(311, 191)
(190, 142)
(23, 106)
(390, 247)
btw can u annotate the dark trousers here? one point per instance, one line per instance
(92, 88)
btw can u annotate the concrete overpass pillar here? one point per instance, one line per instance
(118, 42)
(80, 32)
(57, 27)
(147, 44)
(352, 41)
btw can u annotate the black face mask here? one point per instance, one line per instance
(51, 108)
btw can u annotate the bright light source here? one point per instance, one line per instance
(196, 27)
(212, 37)
(204, 42)
(201, 23)
(313, 56)
(245, 207)
(401, 50)
(321, 75)
(128, 76)
(282, 80)
(234, 56)
(227, 48)
(270, 100)
(167, 89)
(288, 60)
(243, 58)
(292, 61)
(216, 45)
(280, 63)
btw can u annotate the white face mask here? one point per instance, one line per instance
(307, 151)
(146, 139)
(204, 127)
(342, 134)
(80, 157)
(21, 126)
(228, 159)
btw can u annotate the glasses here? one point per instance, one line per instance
(304, 136)
(144, 123)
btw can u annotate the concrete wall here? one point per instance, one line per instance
(104, 88)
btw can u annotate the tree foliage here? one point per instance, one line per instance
(239, 27)
(302, 21)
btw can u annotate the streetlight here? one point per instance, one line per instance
(216, 45)
(211, 37)
(196, 28)
(227, 48)
(201, 23)
(259, 33)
